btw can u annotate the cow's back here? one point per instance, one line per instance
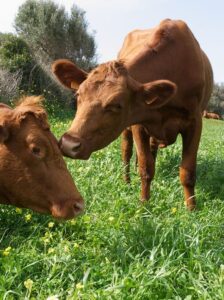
(170, 51)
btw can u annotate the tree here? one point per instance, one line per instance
(52, 33)
(216, 103)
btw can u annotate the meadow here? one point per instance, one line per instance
(120, 249)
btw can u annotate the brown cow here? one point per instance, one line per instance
(133, 90)
(33, 173)
(209, 115)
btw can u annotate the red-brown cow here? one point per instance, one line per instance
(33, 173)
(209, 115)
(161, 80)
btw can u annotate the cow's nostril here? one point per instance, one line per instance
(76, 146)
(78, 207)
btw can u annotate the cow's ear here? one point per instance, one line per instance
(4, 133)
(68, 73)
(158, 93)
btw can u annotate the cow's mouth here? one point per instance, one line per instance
(76, 155)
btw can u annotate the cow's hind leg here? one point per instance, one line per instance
(126, 152)
(191, 138)
(146, 163)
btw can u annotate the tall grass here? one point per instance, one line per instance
(120, 249)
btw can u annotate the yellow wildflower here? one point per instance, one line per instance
(79, 286)
(7, 251)
(28, 284)
(28, 217)
(50, 250)
(51, 224)
(111, 219)
(174, 210)
(18, 210)
(76, 245)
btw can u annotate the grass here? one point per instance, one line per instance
(120, 249)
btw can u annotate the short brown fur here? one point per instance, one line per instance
(165, 86)
(33, 173)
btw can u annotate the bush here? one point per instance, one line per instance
(9, 83)
(16, 58)
(216, 103)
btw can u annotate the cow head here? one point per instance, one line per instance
(33, 173)
(108, 100)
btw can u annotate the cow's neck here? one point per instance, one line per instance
(143, 114)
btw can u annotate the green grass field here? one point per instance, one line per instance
(120, 249)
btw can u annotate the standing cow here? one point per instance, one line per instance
(33, 173)
(161, 80)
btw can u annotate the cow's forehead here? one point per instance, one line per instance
(111, 69)
(96, 87)
(103, 81)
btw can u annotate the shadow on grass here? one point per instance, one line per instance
(210, 172)
(13, 226)
(210, 177)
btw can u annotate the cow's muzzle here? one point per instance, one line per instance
(73, 147)
(68, 209)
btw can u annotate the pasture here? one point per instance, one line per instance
(120, 249)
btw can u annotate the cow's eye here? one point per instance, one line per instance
(36, 151)
(116, 107)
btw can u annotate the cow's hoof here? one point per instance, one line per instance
(190, 205)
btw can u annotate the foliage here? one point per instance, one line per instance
(15, 59)
(216, 103)
(9, 83)
(120, 249)
(52, 33)
(18, 69)
(14, 53)
(45, 32)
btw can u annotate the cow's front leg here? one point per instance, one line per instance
(146, 163)
(191, 138)
(153, 147)
(126, 152)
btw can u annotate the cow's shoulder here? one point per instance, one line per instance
(167, 32)
(133, 42)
